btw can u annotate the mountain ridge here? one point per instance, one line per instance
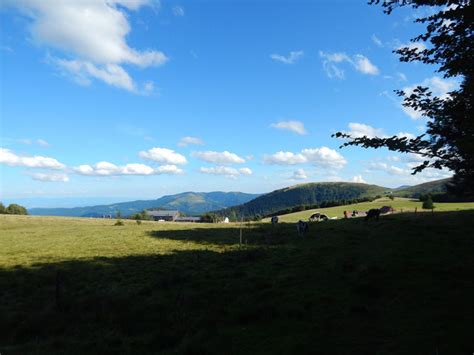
(186, 202)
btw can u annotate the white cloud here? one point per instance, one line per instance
(376, 40)
(419, 46)
(293, 126)
(82, 72)
(357, 130)
(50, 177)
(245, 171)
(9, 158)
(226, 171)
(92, 35)
(178, 11)
(331, 62)
(104, 168)
(406, 135)
(359, 179)
(168, 169)
(391, 169)
(219, 158)
(323, 157)
(284, 158)
(163, 155)
(292, 58)
(439, 87)
(299, 174)
(185, 141)
(363, 65)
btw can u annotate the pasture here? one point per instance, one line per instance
(399, 204)
(401, 285)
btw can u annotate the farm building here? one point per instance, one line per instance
(188, 219)
(163, 215)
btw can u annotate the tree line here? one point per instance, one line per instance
(13, 208)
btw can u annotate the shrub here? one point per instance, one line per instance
(16, 209)
(119, 223)
(428, 203)
(139, 221)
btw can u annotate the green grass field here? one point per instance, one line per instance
(401, 285)
(399, 205)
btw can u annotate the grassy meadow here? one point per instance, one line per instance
(401, 285)
(398, 204)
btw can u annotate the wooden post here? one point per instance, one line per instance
(58, 290)
(240, 239)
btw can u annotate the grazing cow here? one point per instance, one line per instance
(315, 216)
(301, 227)
(373, 214)
(274, 220)
(323, 217)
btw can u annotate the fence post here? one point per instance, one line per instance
(240, 239)
(58, 290)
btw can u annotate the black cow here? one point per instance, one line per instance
(374, 213)
(301, 227)
(274, 220)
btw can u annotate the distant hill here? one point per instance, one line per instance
(432, 187)
(304, 194)
(191, 203)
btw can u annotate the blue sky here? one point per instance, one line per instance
(112, 99)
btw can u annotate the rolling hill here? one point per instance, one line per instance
(433, 187)
(324, 194)
(304, 194)
(187, 202)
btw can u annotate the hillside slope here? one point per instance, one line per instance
(433, 187)
(187, 202)
(304, 194)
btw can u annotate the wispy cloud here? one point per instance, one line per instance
(332, 62)
(376, 40)
(291, 58)
(226, 171)
(219, 158)
(50, 177)
(188, 140)
(178, 11)
(293, 126)
(299, 174)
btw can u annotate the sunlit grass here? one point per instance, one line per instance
(399, 204)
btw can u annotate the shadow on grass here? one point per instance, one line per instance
(252, 234)
(397, 294)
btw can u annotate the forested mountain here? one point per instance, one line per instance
(323, 193)
(191, 203)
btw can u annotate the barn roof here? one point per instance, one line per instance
(162, 213)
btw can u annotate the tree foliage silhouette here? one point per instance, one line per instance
(449, 138)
